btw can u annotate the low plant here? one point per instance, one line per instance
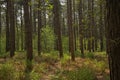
(7, 72)
(90, 55)
(65, 59)
(84, 73)
(101, 66)
(34, 76)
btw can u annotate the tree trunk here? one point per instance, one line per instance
(34, 20)
(39, 27)
(89, 25)
(7, 28)
(101, 26)
(57, 26)
(74, 25)
(28, 31)
(17, 29)
(113, 37)
(12, 27)
(93, 27)
(22, 32)
(70, 28)
(0, 26)
(81, 27)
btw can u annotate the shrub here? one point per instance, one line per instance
(78, 53)
(7, 72)
(90, 55)
(83, 73)
(65, 59)
(34, 75)
(65, 43)
(48, 39)
(101, 66)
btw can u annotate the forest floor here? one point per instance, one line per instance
(49, 67)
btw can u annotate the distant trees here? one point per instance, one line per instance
(81, 23)
(113, 37)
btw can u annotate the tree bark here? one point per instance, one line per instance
(28, 31)
(12, 27)
(22, 30)
(113, 37)
(81, 27)
(70, 29)
(39, 27)
(93, 28)
(57, 25)
(7, 28)
(89, 25)
(0, 26)
(101, 26)
(74, 25)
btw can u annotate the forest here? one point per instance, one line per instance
(59, 39)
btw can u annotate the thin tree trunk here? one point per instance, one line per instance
(7, 28)
(74, 25)
(89, 25)
(39, 27)
(70, 28)
(22, 32)
(101, 27)
(0, 26)
(81, 27)
(93, 28)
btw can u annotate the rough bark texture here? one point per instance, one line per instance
(70, 28)
(113, 37)
(57, 25)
